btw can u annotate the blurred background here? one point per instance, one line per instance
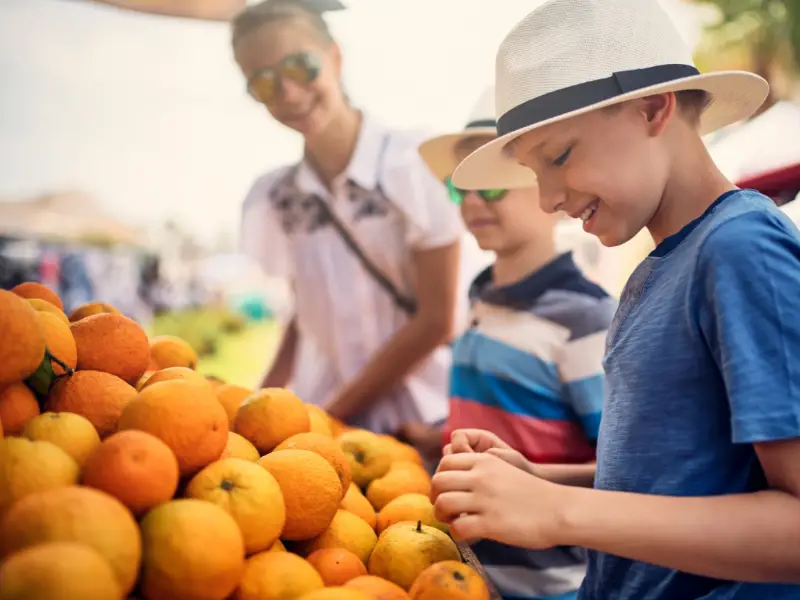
(128, 142)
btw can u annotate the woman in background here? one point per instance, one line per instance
(360, 228)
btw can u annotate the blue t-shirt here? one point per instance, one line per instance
(702, 361)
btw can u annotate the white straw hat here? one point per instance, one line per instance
(569, 57)
(439, 152)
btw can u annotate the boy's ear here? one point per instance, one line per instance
(657, 111)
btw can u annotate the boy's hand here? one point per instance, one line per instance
(473, 440)
(482, 496)
(478, 440)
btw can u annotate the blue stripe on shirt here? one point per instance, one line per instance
(502, 360)
(531, 400)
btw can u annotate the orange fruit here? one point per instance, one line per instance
(409, 507)
(368, 454)
(112, 343)
(277, 576)
(327, 448)
(59, 341)
(238, 447)
(76, 514)
(43, 306)
(311, 491)
(91, 308)
(231, 397)
(398, 481)
(18, 322)
(1, 430)
(276, 547)
(337, 566)
(215, 381)
(143, 380)
(449, 580)
(58, 571)
(349, 532)
(185, 416)
(249, 493)
(319, 421)
(32, 289)
(171, 351)
(27, 467)
(171, 373)
(400, 451)
(405, 550)
(270, 416)
(377, 588)
(137, 468)
(18, 405)
(100, 397)
(71, 432)
(335, 593)
(338, 427)
(355, 502)
(193, 550)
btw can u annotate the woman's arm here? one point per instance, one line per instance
(213, 10)
(280, 373)
(436, 273)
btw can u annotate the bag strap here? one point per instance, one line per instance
(403, 301)
(409, 305)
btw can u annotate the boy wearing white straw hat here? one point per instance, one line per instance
(697, 488)
(529, 368)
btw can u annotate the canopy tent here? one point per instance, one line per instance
(763, 145)
(775, 182)
(206, 10)
(71, 217)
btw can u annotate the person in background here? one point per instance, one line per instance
(697, 487)
(360, 228)
(529, 367)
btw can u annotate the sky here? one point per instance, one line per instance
(149, 114)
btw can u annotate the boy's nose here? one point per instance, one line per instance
(552, 197)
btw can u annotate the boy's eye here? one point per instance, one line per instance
(563, 158)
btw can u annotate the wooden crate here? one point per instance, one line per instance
(469, 557)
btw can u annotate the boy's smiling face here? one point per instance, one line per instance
(504, 226)
(608, 167)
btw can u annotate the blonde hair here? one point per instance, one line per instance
(254, 16)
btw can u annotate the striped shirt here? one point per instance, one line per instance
(530, 370)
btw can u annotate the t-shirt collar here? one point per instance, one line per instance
(363, 167)
(525, 292)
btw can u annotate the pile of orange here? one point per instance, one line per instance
(131, 475)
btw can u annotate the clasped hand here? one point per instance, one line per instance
(486, 490)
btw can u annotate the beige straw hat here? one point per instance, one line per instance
(439, 152)
(569, 57)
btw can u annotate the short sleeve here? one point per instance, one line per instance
(433, 220)
(748, 272)
(580, 367)
(261, 236)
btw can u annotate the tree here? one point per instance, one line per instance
(762, 36)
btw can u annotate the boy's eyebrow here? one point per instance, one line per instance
(510, 146)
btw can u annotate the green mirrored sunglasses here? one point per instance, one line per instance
(457, 195)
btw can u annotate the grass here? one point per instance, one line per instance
(243, 357)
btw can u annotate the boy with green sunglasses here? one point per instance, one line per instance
(457, 195)
(529, 368)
